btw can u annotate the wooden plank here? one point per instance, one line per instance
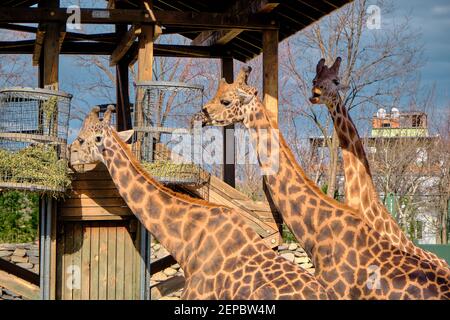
(270, 73)
(112, 260)
(103, 262)
(86, 262)
(94, 261)
(60, 262)
(26, 275)
(124, 45)
(96, 211)
(128, 267)
(51, 57)
(19, 286)
(137, 264)
(261, 228)
(206, 20)
(40, 35)
(97, 202)
(101, 48)
(53, 248)
(120, 263)
(221, 187)
(68, 262)
(93, 193)
(84, 168)
(76, 259)
(93, 185)
(272, 241)
(167, 287)
(97, 218)
(252, 205)
(92, 175)
(239, 7)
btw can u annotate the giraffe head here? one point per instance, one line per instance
(326, 84)
(88, 146)
(229, 103)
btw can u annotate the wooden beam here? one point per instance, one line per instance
(270, 73)
(124, 44)
(40, 36)
(206, 20)
(240, 7)
(18, 286)
(229, 168)
(102, 48)
(123, 112)
(51, 57)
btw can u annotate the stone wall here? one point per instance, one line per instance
(24, 255)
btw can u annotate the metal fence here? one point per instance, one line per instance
(33, 138)
(161, 118)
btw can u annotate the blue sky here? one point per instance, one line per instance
(432, 18)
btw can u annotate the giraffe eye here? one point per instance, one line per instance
(81, 141)
(225, 102)
(336, 82)
(98, 139)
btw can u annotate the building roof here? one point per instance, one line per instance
(290, 16)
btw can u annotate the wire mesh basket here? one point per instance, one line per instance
(33, 138)
(161, 117)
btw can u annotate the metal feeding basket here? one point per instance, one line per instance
(161, 119)
(33, 138)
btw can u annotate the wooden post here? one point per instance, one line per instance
(270, 70)
(270, 91)
(228, 172)
(48, 78)
(145, 73)
(123, 114)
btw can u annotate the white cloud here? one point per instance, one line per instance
(441, 10)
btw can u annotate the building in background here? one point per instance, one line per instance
(401, 153)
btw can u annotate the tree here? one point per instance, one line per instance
(377, 63)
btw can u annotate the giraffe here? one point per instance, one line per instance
(222, 257)
(350, 258)
(360, 191)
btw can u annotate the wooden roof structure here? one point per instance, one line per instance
(217, 28)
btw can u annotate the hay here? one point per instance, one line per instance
(173, 172)
(36, 165)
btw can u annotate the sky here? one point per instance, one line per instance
(432, 18)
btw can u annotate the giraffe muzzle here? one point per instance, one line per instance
(316, 93)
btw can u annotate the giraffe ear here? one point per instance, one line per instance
(245, 97)
(125, 135)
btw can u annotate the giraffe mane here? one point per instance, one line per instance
(291, 157)
(138, 166)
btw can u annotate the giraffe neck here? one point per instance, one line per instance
(360, 192)
(178, 222)
(296, 197)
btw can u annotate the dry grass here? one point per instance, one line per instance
(37, 165)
